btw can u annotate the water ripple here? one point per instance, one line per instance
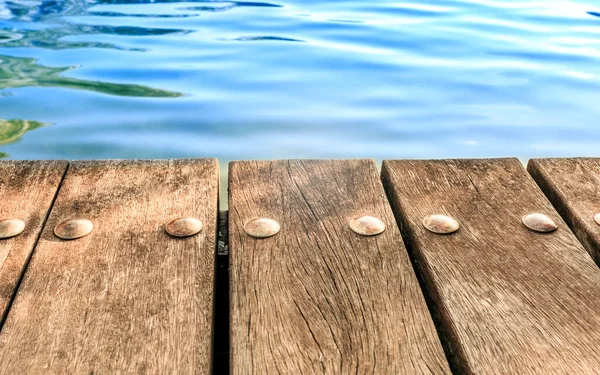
(117, 14)
(266, 38)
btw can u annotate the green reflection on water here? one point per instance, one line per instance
(12, 130)
(25, 72)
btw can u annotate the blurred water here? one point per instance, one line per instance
(293, 79)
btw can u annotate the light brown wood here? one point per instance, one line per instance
(317, 298)
(127, 298)
(27, 189)
(510, 300)
(573, 187)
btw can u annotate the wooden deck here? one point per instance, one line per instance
(493, 297)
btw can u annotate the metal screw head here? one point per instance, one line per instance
(11, 227)
(539, 223)
(183, 227)
(73, 228)
(262, 227)
(440, 224)
(367, 225)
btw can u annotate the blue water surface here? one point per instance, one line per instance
(299, 79)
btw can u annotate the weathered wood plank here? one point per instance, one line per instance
(317, 297)
(27, 189)
(511, 301)
(128, 298)
(573, 187)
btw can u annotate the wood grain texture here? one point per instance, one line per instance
(128, 298)
(27, 189)
(573, 187)
(318, 298)
(510, 301)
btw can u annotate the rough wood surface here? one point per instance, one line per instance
(27, 189)
(573, 187)
(128, 298)
(510, 301)
(318, 298)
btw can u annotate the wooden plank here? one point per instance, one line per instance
(27, 189)
(510, 301)
(128, 298)
(318, 298)
(573, 187)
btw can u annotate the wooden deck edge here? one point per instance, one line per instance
(220, 319)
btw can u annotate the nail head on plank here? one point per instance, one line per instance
(440, 224)
(183, 227)
(367, 225)
(73, 229)
(538, 222)
(11, 227)
(262, 227)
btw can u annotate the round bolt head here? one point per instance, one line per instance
(539, 223)
(367, 225)
(183, 227)
(597, 218)
(11, 227)
(262, 227)
(73, 228)
(440, 224)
